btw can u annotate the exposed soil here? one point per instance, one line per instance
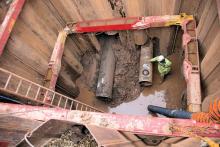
(126, 86)
(74, 137)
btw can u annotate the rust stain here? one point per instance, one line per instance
(86, 118)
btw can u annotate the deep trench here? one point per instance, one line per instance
(126, 91)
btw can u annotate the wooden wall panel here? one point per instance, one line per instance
(190, 6)
(162, 7)
(10, 62)
(209, 39)
(208, 32)
(208, 18)
(136, 8)
(28, 49)
(32, 42)
(210, 64)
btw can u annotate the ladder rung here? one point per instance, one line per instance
(77, 105)
(29, 88)
(65, 103)
(45, 96)
(6, 84)
(71, 105)
(19, 85)
(52, 98)
(59, 101)
(38, 90)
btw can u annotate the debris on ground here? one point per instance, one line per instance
(126, 86)
(74, 137)
(126, 80)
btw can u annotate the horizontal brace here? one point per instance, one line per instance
(128, 123)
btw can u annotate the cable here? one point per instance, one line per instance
(28, 134)
(10, 99)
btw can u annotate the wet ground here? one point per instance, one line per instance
(168, 94)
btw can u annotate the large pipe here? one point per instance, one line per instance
(145, 72)
(106, 73)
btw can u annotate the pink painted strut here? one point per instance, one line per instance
(9, 21)
(129, 123)
(55, 63)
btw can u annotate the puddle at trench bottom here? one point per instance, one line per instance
(139, 105)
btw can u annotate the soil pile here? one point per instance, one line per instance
(74, 137)
(126, 87)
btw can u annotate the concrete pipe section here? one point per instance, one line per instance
(145, 72)
(106, 73)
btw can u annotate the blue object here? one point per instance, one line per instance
(9, 99)
(170, 112)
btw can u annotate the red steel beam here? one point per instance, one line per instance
(129, 123)
(9, 21)
(129, 23)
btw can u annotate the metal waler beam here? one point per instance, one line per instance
(187, 22)
(128, 123)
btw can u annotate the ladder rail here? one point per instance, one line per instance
(38, 89)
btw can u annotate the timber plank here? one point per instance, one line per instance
(212, 83)
(212, 33)
(162, 7)
(136, 8)
(206, 22)
(13, 129)
(200, 10)
(66, 9)
(211, 59)
(13, 64)
(27, 48)
(190, 6)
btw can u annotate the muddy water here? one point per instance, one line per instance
(166, 94)
(139, 105)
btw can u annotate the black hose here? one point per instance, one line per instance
(10, 99)
(170, 112)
